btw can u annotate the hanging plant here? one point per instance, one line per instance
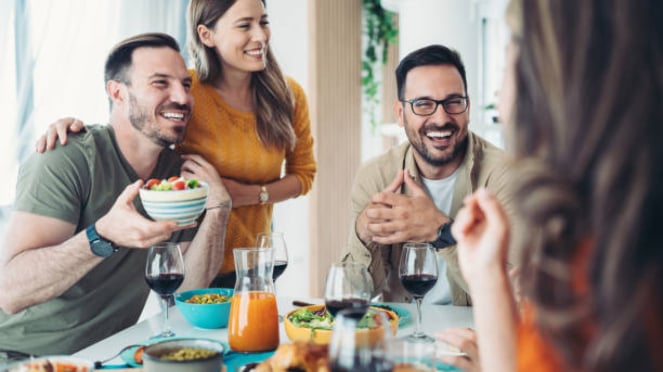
(380, 31)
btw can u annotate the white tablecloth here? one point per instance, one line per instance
(435, 318)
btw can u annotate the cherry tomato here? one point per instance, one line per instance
(173, 178)
(179, 185)
(151, 182)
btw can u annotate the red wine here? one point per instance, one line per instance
(279, 268)
(334, 306)
(165, 284)
(418, 284)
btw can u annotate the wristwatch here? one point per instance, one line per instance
(263, 197)
(444, 237)
(98, 245)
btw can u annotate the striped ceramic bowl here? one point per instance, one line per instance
(183, 206)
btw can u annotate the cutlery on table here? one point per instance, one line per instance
(99, 363)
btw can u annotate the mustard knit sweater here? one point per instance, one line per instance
(228, 139)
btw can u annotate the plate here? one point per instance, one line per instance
(58, 362)
(127, 355)
(231, 359)
(238, 361)
(404, 317)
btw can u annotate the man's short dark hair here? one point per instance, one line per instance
(431, 55)
(119, 59)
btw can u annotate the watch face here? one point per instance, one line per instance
(264, 196)
(102, 248)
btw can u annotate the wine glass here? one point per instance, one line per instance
(164, 273)
(418, 274)
(350, 350)
(275, 240)
(348, 285)
(405, 355)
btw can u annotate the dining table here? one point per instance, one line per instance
(435, 318)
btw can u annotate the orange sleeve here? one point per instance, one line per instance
(535, 354)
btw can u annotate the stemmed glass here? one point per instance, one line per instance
(164, 273)
(418, 274)
(275, 240)
(348, 285)
(350, 350)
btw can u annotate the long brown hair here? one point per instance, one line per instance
(272, 97)
(588, 125)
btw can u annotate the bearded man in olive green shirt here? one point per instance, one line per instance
(59, 292)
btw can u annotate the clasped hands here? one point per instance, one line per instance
(391, 217)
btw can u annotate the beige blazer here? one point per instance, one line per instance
(484, 165)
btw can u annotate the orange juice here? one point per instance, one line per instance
(254, 322)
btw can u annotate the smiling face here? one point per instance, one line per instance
(240, 36)
(158, 95)
(439, 139)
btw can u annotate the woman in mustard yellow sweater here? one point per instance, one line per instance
(249, 121)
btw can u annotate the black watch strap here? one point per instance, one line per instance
(98, 245)
(444, 237)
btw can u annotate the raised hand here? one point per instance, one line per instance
(481, 229)
(394, 218)
(58, 130)
(124, 226)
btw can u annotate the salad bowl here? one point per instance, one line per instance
(314, 324)
(167, 201)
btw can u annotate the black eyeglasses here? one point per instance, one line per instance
(426, 107)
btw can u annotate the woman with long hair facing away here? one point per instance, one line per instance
(582, 106)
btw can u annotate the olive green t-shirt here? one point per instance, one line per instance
(79, 183)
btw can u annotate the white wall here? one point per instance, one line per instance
(289, 42)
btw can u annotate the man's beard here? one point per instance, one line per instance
(417, 142)
(139, 118)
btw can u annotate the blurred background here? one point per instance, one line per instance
(53, 53)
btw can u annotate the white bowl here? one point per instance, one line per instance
(183, 206)
(59, 363)
(152, 361)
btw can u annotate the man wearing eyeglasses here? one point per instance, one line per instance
(412, 192)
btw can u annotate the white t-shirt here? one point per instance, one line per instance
(441, 191)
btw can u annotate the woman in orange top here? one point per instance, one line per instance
(248, 119)
(582, 99)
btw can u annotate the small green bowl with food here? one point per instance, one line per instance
(206, 308)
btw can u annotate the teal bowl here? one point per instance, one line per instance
(208, 316)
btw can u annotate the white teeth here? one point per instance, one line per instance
(439, 134)
(173, 115)
(254, 52)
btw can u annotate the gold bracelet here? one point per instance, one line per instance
(221, 205)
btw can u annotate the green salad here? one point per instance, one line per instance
(322, 319)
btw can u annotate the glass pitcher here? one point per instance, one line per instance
(254, 322)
